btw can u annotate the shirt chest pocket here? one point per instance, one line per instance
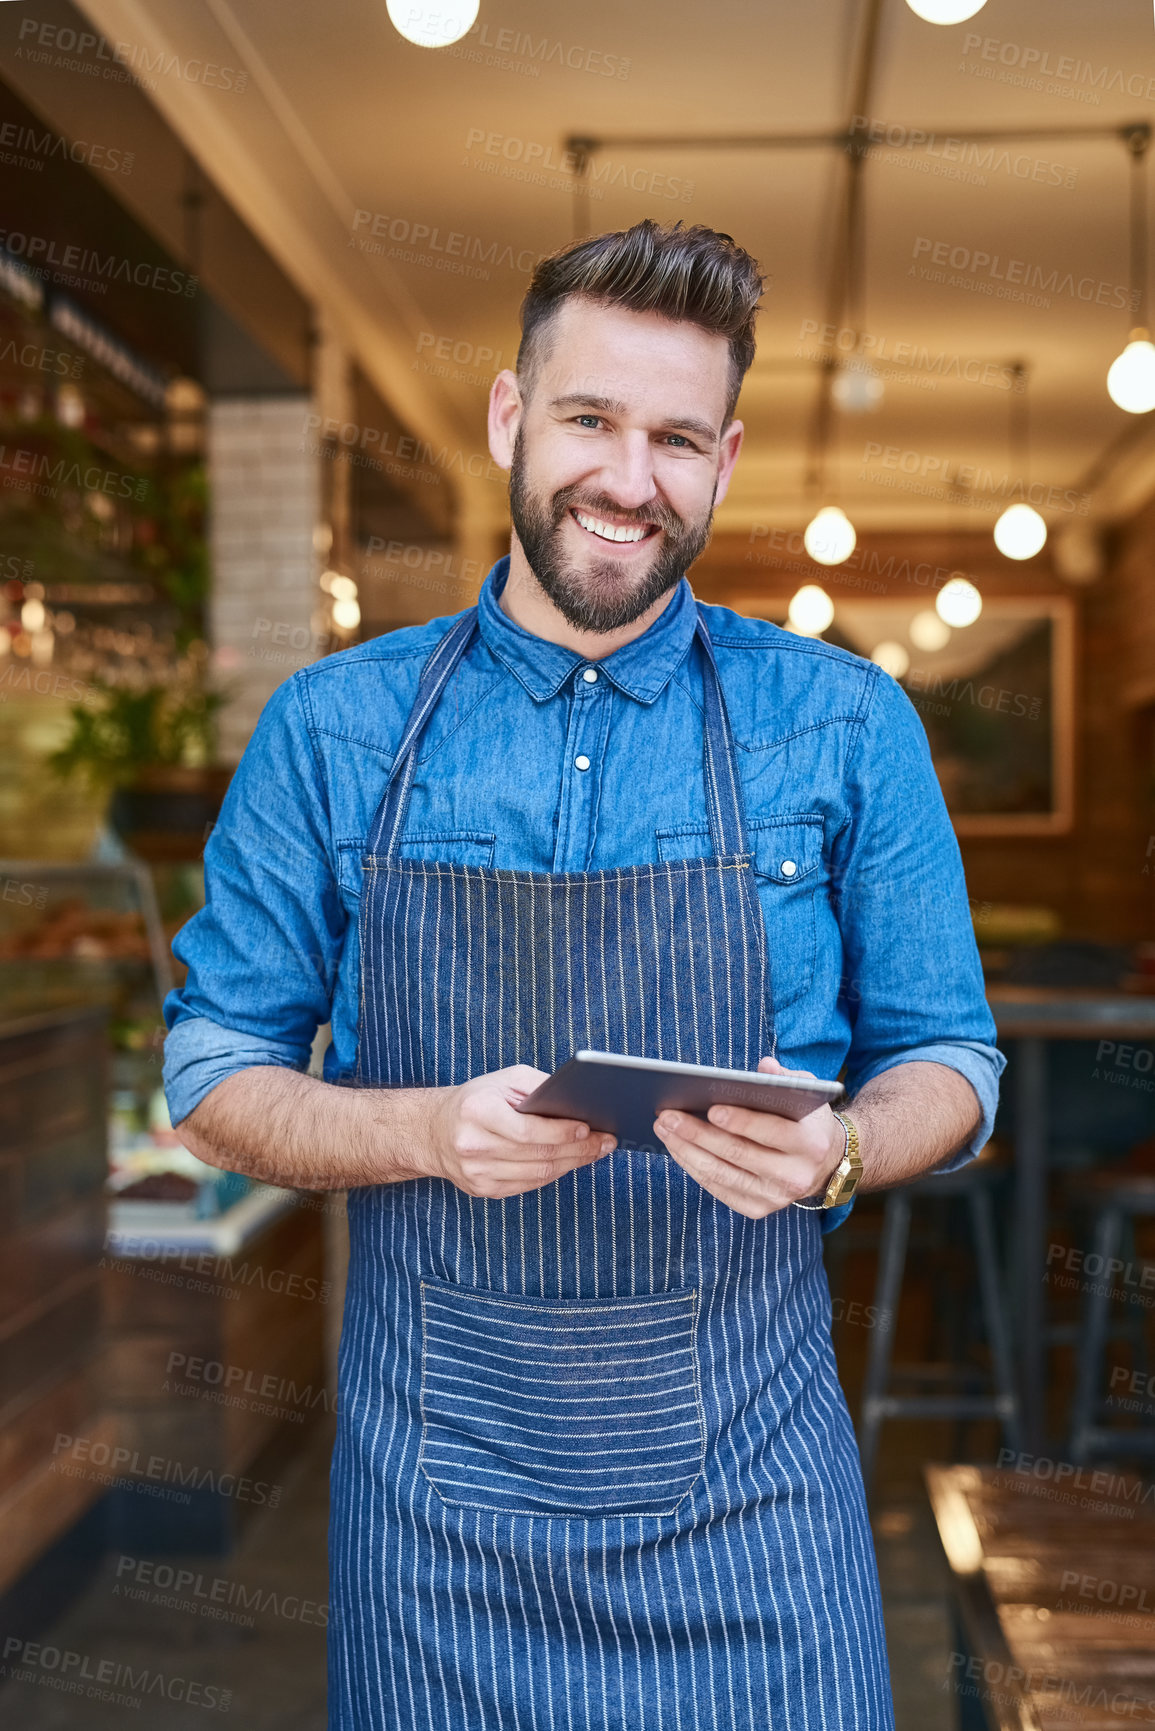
(788, 871)
(463, 847)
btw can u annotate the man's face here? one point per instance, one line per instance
(617, 459)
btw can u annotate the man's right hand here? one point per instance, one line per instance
(284, 1128)
(479, 1141)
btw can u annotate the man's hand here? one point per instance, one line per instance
(284, 1128)
(480, 1143)
(756, 1162)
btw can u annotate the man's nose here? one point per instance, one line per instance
(628, 477)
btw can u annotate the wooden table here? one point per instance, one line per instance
(1055, 1590)
(1031, 1016)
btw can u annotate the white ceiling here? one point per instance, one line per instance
(342, 115)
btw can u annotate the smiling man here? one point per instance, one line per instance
(594, 1467)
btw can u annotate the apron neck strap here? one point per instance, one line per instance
(385, 835)
(724, 806)
(723, 792)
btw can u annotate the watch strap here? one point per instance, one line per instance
(844, 1179)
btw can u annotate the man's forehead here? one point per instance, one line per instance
(624, 363)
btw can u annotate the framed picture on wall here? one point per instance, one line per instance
(996, 699)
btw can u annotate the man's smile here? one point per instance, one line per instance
(614, 532)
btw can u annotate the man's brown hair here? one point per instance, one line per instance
(694, 274)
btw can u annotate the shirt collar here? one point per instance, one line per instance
(641, 669)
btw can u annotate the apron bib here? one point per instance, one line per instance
(594, 1468)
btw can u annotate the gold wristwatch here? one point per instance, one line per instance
(845, 1178)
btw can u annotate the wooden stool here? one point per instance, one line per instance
(1117, 1199)
(973, 1185)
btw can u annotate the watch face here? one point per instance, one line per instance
(847, 1184)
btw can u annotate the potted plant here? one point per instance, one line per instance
(151, 744)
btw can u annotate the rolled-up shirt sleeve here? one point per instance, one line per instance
(262, 953)
(913, 980)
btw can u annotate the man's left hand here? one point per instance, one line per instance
(756, 1162)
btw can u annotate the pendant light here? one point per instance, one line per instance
(1020, 532)
(856, 384)
(432, 23)
(811, 610)
(958, 603)
(946, 11)
(829, 537)
(1131, 380)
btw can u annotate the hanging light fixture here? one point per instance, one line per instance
(811, 610)
(432, 23)
(958, 603)
(946, 11)
(858, 389)
(1131, 380)
(892, 657)
(1020, 532)
(929, 631)
(856, 385)
(829, 537)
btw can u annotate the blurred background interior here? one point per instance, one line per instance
(260, 261)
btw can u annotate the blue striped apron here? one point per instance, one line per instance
(594, 1468)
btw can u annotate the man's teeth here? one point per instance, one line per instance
(608, 532)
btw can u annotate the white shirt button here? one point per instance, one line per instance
(581, 762)
(590, 675)
(788, 868)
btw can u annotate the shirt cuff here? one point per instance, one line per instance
(981, 1065)
(199, 1053)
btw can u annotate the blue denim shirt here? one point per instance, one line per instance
(872, 954)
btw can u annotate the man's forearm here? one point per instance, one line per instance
(910, 1119)
(277, 1125)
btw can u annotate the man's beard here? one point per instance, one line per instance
(602, 597)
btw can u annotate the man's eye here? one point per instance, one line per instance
(589, 420)
(678, 439)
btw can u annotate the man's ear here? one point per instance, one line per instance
(505, 411)
(728, 447)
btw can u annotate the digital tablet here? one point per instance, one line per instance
(623, 1096)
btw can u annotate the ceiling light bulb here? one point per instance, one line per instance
(1020, 532)
(811, 610)
(432, 23)
(342, 588)
(1131, 380)
(830, 537)
(70, 410)
(32, 615)
(347, 615)
(928, 631)
(946, 11)
(892, 658)
(857, 390)
(958, 602)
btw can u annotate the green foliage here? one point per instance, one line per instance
(134, 728)
(177, 558)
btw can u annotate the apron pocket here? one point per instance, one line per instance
(560, 1406)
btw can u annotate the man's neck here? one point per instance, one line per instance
(525, 602)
